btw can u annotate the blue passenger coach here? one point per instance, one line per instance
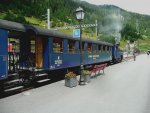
(62, 51)
(7, 29)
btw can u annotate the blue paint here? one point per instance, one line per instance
(60, 61)
(65, 46)
(86, 47)
(65, 60)
(3, 54)
(46, 50)
(116, 53)
(77, 46)
(50, 45)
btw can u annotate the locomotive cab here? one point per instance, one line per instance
(117, 54)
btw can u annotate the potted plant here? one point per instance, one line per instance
(70, 79)
(87, 76)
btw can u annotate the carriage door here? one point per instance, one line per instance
(3, 53)
(13, 54)
(39, 53)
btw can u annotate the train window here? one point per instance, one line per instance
(14, 45)
(32, 46)
(89, 47)
(99, 48)
(83, 49)
(110, 49)
(71, 46)
(57, 45)
(104, 47)
(94, 48)
(107, 48)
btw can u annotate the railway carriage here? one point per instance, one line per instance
(10, 35)
(27, 52)
(54, 50)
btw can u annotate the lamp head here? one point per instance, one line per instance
(79, 13)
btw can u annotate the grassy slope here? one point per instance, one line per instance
(36, 21)
(144, 44)
(43, 24)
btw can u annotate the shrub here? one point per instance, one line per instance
(70, 75)
(86, 72)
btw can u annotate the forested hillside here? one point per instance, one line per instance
(62, 14)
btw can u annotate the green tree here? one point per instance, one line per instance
(130, 33)
(107, 38)
(13, 17)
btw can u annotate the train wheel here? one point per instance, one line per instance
(26, 78)
(1, 89)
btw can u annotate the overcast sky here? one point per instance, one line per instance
(138, 6)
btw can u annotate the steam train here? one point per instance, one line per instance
(29, 52)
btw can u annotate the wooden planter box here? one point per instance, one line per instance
(71, 82)
(87, 78)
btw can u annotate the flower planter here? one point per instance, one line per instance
(87, 78)
(71, 82)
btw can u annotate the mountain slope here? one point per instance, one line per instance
(62, 13)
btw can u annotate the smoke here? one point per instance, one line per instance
(112, 26)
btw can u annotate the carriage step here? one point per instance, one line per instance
(37, 70)
(14, 88)
(13, 74)
(39, 75)
(44, 80)
(13, 81)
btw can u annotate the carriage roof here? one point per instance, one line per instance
(47, 32)
(14, 26)
(4, 24)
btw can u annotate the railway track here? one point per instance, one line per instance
(21, 89)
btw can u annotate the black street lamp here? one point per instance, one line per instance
(80, 16)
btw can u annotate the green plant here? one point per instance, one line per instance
(70, 75)
(86, 72)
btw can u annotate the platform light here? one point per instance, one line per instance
(80, 16)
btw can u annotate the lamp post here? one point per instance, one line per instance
(80, 16)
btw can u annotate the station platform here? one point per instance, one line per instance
(124, 88)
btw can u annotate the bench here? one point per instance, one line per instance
(94, 71)
(97, 70)
(101, 67)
